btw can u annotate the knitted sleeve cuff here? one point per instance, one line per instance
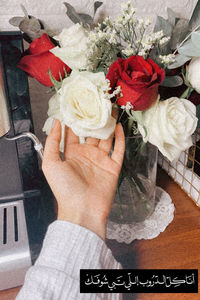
(69, 247)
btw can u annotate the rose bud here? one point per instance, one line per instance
(40, 61)
(73, 43)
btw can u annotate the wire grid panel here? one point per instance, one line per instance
(186, 171)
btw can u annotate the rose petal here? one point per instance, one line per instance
(157, 69)
(138, 79)
(41, 44)
(37, 66)
(114, 73)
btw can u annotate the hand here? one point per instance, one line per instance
(85, 181)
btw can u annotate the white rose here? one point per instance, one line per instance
(74, 47)
(83, 104)
(170, 124)
(193, 73)
(54, 113)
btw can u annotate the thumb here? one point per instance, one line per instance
(52, 145)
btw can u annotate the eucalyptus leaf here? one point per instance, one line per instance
(154, 55)
(86, 19)
(97, 4)
(189, 49)
(165, 49)
(171, 16)
(24, 10)
(76, 17)
(172, 81)
(72, 14)
(164, 25)
(195, 19)
(30, 24)
(179, 32)
(32, 28)
(196, 39)
(180, 61)
(15, 21)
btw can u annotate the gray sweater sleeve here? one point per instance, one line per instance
(67, 248)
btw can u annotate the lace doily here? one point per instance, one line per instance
(148, 229)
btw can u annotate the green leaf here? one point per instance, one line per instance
(164, 25)
(189, 49)
(198, 115)
(137, 115)
(195, 19)
(57, 84)
(186, 94)
(97, 4)
(180, 61)
(75, 17)
(196, 39)
(179, 33)
(172, 81)
(171, 16)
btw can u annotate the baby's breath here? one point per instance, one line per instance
(128, 106)
(167, 59)
(125, 35)
(164, 40)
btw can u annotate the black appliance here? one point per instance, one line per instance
(26, 202)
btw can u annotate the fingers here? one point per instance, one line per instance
(92, 141)
(119, 147)
(52, 146)
(70, 138)
(106, 145)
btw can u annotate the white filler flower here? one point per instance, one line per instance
(83, 104)
(193, 73)
(169, 125)
(73, 47)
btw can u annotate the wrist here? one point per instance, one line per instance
(94, 223)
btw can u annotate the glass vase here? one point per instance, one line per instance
(135, 196)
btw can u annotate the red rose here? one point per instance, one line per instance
(139, 80)
(41, 60)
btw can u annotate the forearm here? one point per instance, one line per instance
(67, 248)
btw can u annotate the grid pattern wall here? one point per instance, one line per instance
(186, 171)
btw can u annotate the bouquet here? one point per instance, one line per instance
(147, 74)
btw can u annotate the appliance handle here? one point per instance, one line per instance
(37, 144)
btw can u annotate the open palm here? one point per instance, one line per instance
(84, 182)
